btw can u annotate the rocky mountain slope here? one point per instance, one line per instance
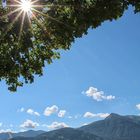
(115, 127)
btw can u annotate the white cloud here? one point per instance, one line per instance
(0, 124)
(50, 110)
(29, 124)
(98, 95)
(138, 106)
(89, 115)
(36, 113)
(85, 124)
(21, 109)
(7, 130)
(103, 115)
(57, 125)
(22, 130)
(32, 112)
(92, 115)
(61, 113)
(75, 116)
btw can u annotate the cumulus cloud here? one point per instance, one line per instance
(29, 124)
(50, 110)
(98, 95)
(32, 112)
(29, 111)
(138, 106)
(92, 115)
(61, 113)
(57, 125)
(89, 115)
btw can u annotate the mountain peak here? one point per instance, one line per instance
(113, 115)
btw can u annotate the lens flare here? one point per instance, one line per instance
(26, 5)
(27, 11)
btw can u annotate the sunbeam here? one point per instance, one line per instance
(40, 24)
(31, 10)
(11, 24)
(21, 26)
(46, 15)
(10, 13)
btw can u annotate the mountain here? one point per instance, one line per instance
(115, 127)
(135, 118)
(5, 136)
(63, 134)
(30, 133)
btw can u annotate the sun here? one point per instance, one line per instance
(25, 12)
(26, 5)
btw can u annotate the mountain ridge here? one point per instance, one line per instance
(29, 133)
(113, 127)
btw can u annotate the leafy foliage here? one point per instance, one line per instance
(24, 53)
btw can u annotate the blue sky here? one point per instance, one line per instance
(99, 75)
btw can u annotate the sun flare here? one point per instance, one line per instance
(26, 5)
(25, 12)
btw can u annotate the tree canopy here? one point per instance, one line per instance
(32, 39)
